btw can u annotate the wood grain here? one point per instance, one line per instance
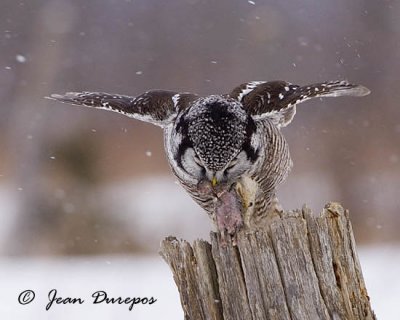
(298, 266)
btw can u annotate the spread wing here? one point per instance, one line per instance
(159, 107)
(277, 100)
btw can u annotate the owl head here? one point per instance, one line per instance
(218, 146)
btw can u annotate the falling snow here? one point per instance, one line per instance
(20, 58)
(251, 2)
(148, 153)
(303, 41)
(139, 72)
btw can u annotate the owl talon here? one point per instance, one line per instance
(226, 238)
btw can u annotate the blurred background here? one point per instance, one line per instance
(84, 183)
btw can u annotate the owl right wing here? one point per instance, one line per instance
(277, 100)
(159, 107)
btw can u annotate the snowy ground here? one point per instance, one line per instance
(130, 276)
(380, 266)
(80, 278)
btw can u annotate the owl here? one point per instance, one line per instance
(227, 150)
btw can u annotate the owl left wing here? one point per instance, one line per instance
(159, 107)
(277, 100)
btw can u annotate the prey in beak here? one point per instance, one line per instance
(228, 206)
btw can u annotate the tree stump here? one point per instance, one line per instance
(298, 266)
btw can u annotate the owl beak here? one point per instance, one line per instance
(214, 181)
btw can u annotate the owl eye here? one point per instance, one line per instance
(191, 164)
(232, 164)
(197, 160)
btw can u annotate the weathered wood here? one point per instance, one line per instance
(298, 266)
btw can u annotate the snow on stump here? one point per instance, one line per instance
(299, 266)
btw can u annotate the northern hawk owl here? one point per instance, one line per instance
(227, 150)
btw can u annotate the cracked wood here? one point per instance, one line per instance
(297, 266)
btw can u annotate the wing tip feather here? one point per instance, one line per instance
(68, 97)
(361, 91)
